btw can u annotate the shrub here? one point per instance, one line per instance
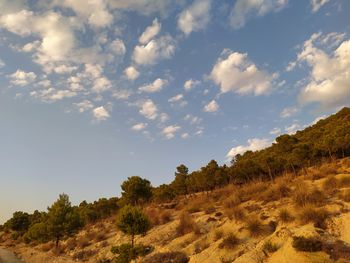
(83, 242)
(200, 245)
(345, 181)
(254, 227)
(153, 215)
(313, 215)
(165, 217)
(100, 236)
(337, 250)
(237, 213)
(311, 244)
(186, 225)
(345, 196)
(128, 252)
(47, 246)
(232, 202)
(303, 196)
(218, 234)
(229, 242)
(210, 208)
(270, 247)
(330, 185)
(285, 216)
(71, 244)
(167, 257)
(83, 255)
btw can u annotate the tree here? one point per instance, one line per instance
(179, 184)
(163, 193)
(62, 219)
(132, 221)
(19, 222)
(135, 190)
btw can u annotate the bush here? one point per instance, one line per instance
(285, 216)
(303, 197)
(127, 252)
(237, 213)
(345, 196)
(218, 234)
(229, 242)
(71, 244)
(167, 257)
(330, 185)
(313, 215)
(344, 182)
(255, 227)
(311, 244)
(232, 202)
(165, 217)
(186, 225)
(270, 247)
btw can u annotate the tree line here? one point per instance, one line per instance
(328, 138)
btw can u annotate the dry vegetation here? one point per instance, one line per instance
(266, 221)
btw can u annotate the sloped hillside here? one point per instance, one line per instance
(301, 218)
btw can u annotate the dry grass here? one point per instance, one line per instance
(71, 244)
(285, 216)
(201, 245)
(83, 242)
(270, 247)
(237, 213)
(330, 185)
(186, 225)
(165, 216)
(344, 182)
(229, 242)
(317, 216)
(304, 196)
(83, 255)
(158, 216)
(255, 227)
(47, 246)
(310, 244)
(232, 202)
(345, 195)
(218, 234)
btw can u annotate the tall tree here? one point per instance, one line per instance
(136, 190)
(179, 184)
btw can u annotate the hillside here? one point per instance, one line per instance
(287, 203)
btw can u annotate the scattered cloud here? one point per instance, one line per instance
(329, 77)
(293, 128)
(253, 144)
(139, 126)
(83, 106)
(275, 131)
(170, 131)
(150, 32)
(194, 120)
(211, 106)
(117, 46)
(51, 94)
(317, 4)
(190, 84)
(100, 113)
(194, 18)
(288, 112)
(149, 109)
(2, 63)
(178, 99)
(244, 10)
(234, 72)
(155, 86)
(185, 135)
(155, 50)
(131, 73)
(22, 78)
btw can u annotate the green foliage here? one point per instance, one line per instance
(62, 219)
(128, 252)
(163, 193)
(19, 222)
(37, 232)
(132, 221)
(307, 244)
(136, 190)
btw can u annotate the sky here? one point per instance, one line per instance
(92, 92)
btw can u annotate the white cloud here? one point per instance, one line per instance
(194, 120)
(12, 6)
(155, 86)
(2, 63)
(122, 94)
(22, 78)
(51, 94)
(150, 32)
(93, 12)
(234, 72)
(139, 126)
(329, 77)
(246, 9)
(100, 113)
(153, 51)
(83, 106)
(131, 73)
(253, 144)
(275, 131)
(31, 46)
(149, 109)
(190, 84)
(101, 84)
(211, 106)
(145, 7)
(64, 69)
(170, 131)
(178, 99)
(288, 112)
(185, 135)
(316, 120)
(317, 4)
(196, 17)
(292, 128)
(163, 117)
(117, 46)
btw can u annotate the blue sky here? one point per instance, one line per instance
(92, 92)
